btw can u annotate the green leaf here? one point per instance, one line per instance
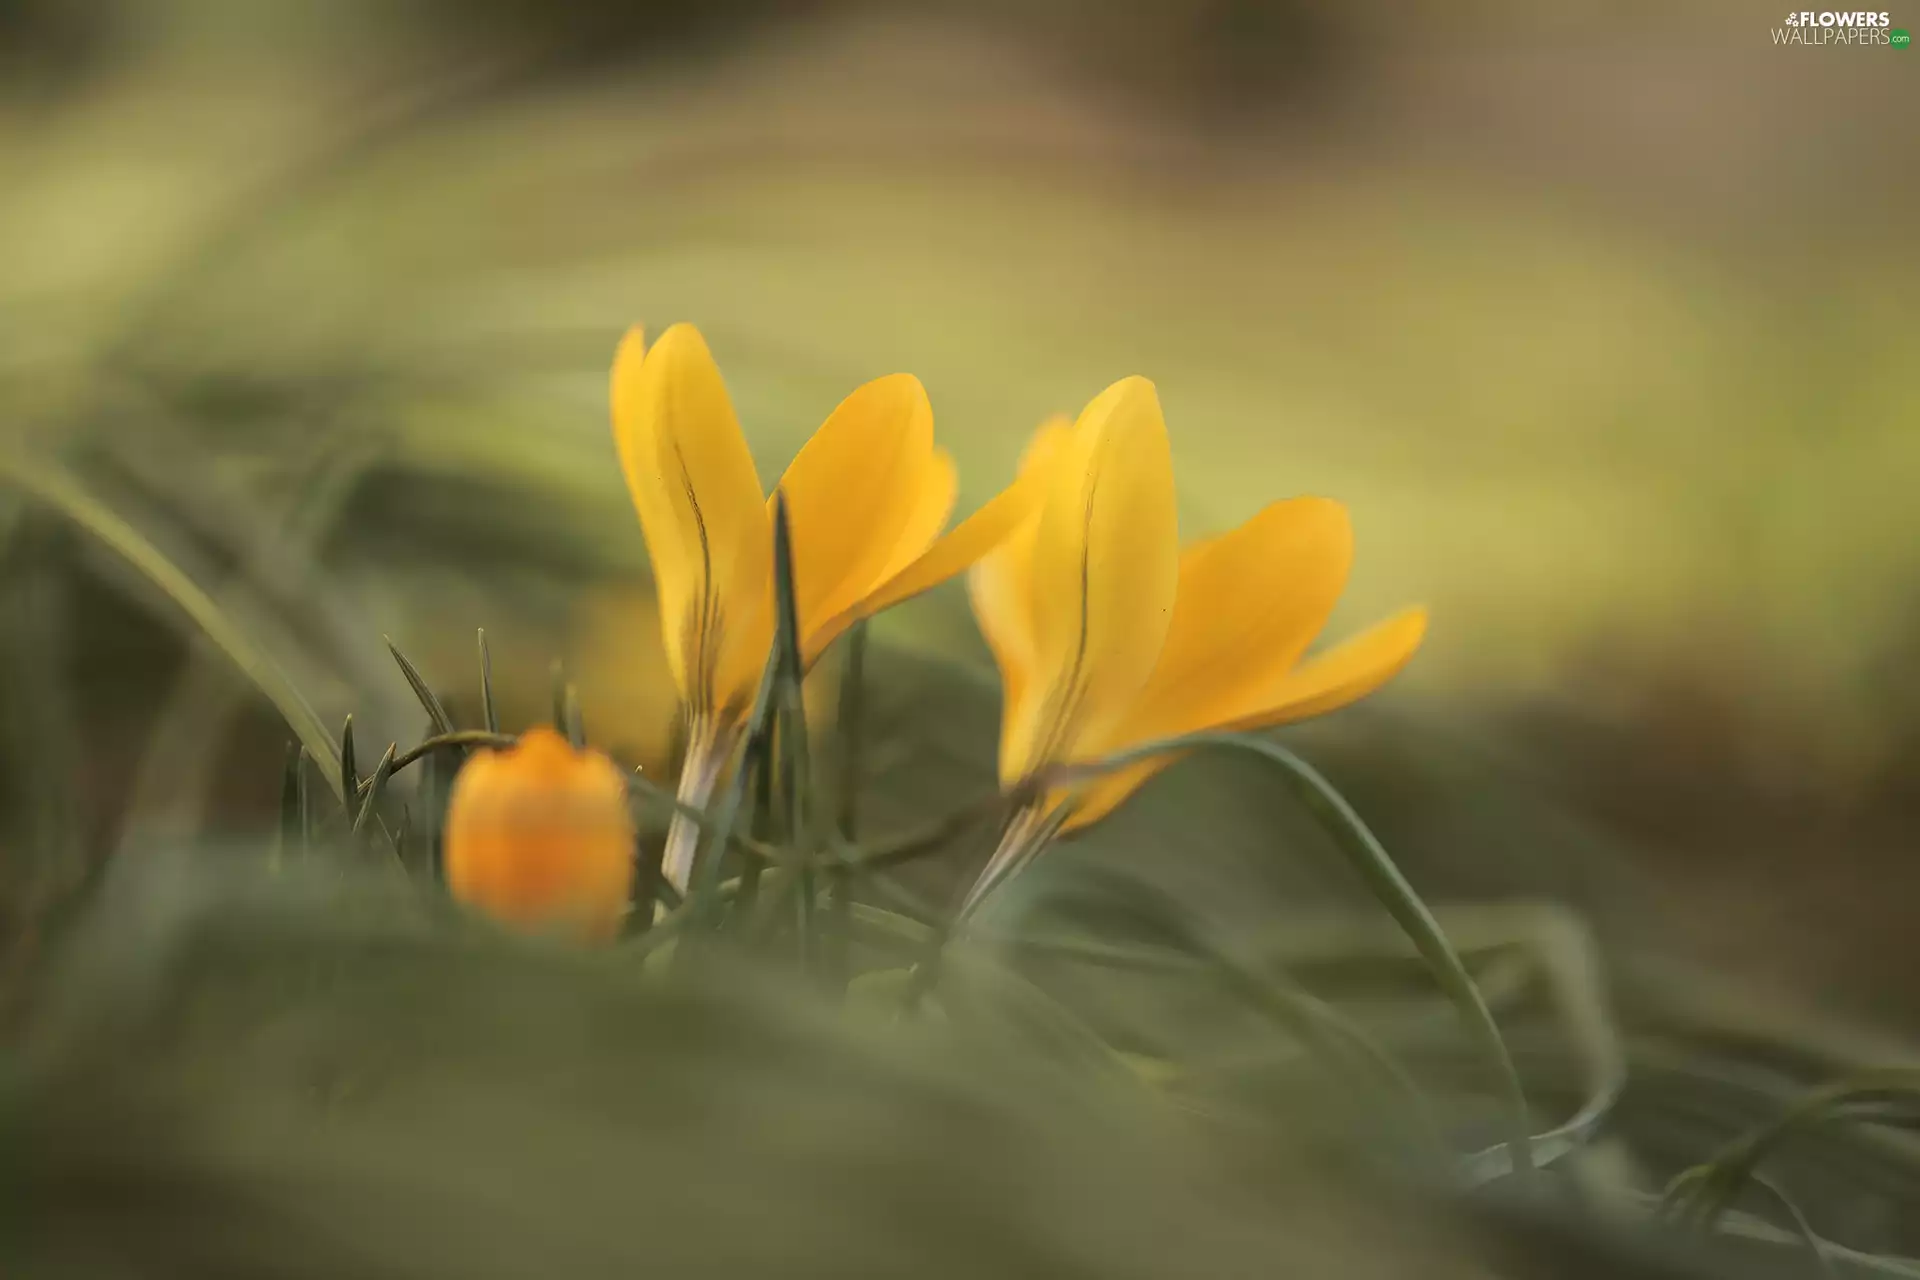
(1817, 1248)
(849, 741)
(455, 742)
(349, 772)
(1699, 1196)
(304, 802)
(490, 714)
(792, 761)
(1348, 1055)
(1389, 887)
(54, 485)
(375, 789)
(1026, 1009)
(718, 826)
(436, 713)
(173, 788)
(572, 721)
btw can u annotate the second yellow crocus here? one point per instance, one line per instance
(867, 499)
(1109, 636)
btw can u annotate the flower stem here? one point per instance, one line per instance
(707, 753)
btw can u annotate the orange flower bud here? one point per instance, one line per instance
(539, 836)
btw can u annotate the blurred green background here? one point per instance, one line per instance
(1596, 315)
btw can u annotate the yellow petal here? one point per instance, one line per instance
(851, 493)
(705, 519)
(932, 504)
(939, 486)
(1105, 568)
(1001, 590)
(1346, 673)
(1250, 603)
(1107, 793)
(923, 567)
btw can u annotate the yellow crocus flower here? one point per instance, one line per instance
(867, 498)
(539, 837)
(1108, 635)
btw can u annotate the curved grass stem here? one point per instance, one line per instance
(1698, 1197)
(1382, 876)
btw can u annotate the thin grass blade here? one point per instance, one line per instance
(377, 786)
(349, 772)
(1364, 852)
(60, 489)
(429, 702)
(489, 712)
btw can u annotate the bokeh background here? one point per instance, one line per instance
(1598, 315)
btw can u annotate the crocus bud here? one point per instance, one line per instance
(539, 837)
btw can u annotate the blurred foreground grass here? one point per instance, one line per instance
(310, 1075)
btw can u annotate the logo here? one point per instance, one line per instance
(1830, 28)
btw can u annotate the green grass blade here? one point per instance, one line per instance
(376, 787)
(849, 739)
(849, 736)
(1699, 1196)
(756, 752)
(304, 801)
(52, 484)
(572, 720)
(457, 741)
(429, 702)
(718, 826)
(171, 789)
(1816, 1246)
(349, 772)
(490, 714)
(792, 763)
(1390, 888)
(937, 835)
